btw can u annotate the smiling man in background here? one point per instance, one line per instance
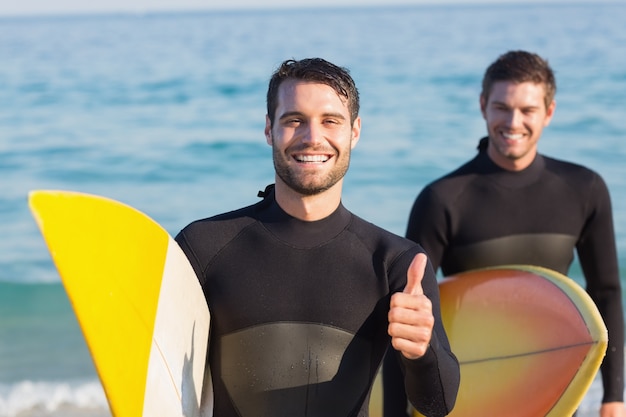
(512, 205)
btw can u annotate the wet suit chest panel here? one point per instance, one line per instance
(302, 369)
(554, 251)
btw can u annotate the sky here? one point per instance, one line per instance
(45, 7)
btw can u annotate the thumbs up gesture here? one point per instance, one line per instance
(410, 314)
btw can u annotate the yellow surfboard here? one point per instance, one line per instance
(138, 302)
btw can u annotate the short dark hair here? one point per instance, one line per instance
(316, 70)
(520, 67)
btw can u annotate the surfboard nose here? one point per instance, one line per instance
(529, 341)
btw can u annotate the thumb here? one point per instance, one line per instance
(414, 275)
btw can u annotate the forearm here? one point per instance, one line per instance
(613, 363)
(432, 381)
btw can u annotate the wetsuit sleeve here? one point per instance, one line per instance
(432, 237)
(431, 233)
(432, 381)
(598, 258)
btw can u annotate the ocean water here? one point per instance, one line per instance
(166, 112)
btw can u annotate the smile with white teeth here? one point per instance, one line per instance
(511, 136)
(311, 158)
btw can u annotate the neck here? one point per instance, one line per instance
(511, 164)
(308, 207)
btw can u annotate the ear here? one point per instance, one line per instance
(356, 132)
(268, 130)
(549, 113)
(483, 105)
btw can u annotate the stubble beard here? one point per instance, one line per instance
(309, 184)
(509, 152)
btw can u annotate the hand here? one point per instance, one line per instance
(410, 314)
(613, 409)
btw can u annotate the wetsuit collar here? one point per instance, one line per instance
(510, 179)
(300, 233)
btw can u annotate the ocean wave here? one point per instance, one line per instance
(87, 399)
(47, 399)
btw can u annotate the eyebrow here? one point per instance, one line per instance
(501, 103)
(299, 114)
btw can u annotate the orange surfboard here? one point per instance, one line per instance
(529, 340)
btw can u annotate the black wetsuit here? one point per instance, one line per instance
(481, 215)
(299, 313)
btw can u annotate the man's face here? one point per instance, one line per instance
(312, 136)
(516, 115)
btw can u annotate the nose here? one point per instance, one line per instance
(312, 134)
(515, 118)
